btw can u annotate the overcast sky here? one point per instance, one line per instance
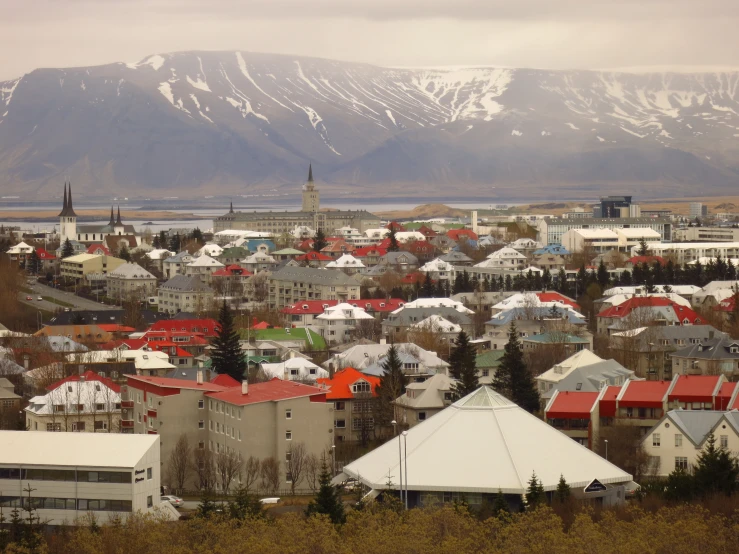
(557, 34)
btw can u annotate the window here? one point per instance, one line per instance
(149, 473)
(655, 439)
(100, 426)
(201, 424)
(485, 372)
(201, 445)
(201, 404)
(340, 424)
(724, 441)
(421, 416)
(339, 406)
(210, 425)
(288, 414)
(288, 435)
(678, 440)
(361, 386)
(681, 462)
(149, 502)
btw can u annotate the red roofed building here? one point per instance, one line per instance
(656, 308)
(98, 249)
(369, 255)
(194, 343)
(694, 392)
(427, 232)
(47, 258)
(571, 412)
(208, 327)
(351, 393)
(86, 376)
(337, 247)
(649, 260)
(395, 225)
(421, 249)
(263, 420)
(412, 278)
(314, 259)
(459, 234)
(233, 270)
(727, 397)
(551, 296)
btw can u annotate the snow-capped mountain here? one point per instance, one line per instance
(238, 122)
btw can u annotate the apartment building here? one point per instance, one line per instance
(262, 420)
(421, 400)
(551, 230)
(351, 393)
(291, 285)
(130, 280)
(175, 265)
(707, 234)
(78, 266)
(184, 293)
(75, 474)
(714, 356)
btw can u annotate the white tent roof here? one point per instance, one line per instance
(483, 443)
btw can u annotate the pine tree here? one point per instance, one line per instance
(392, 385)
(393, 246)
(207, 506)
(245, 506)
(124, 254)
(501, 510)
(197, 235)
(680, 486)
(227, 356)
(34, 263)
(734, 316)
(319, 241)
(563, 490)
(328, 498)
(535, 493)
(643, 248)
(554, 312)
(602, 274)
(716, 469)
(428, 287)
(174, 243)
(163, 242)
(67, 249)
(512, 378)
(463, 367)
(156, 243)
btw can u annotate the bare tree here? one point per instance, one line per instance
(252, 471)
(295, 462)
(270, 474)
(179, 466)
(205, 469)
(312, 471)
(370, 329)
(228, 467)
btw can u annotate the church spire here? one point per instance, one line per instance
(67, 210)
(118, 220)
(231, 209)
(310, 172)
(64, 202)
(112, 220)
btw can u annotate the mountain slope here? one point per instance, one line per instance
(243, 123)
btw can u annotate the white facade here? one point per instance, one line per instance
(505, 258)
(336, 323)
(73, 474)
(684, 252)
(437, 269)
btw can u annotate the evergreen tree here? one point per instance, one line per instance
(508, 283)
(156, 243)
(174, 243)
(34, 263)
(392, 385)
(227, 356)
(463, 367)
(501, 509)
(245, 506)
(643, 248)
(163, 242)
(562, 281)
(207, 506)
(554, 312)
(439, 290)
(123, 253)
(512, 378)
(563, 490)
(716, 469)
(734, 315)
(602, 274)
(535, 493)
(680, 486)
(197, 235)
(428, 287)
(67, 249)
(393, 246)
(319, 241)
(328, 498)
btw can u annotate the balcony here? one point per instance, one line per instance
(127, 423)
(126, 403)
(151, 412)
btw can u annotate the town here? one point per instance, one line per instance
(287, 355)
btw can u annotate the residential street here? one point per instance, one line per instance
(78, 303)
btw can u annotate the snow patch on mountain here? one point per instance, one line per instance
(199, 84)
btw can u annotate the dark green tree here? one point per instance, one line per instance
(156, 243)
(463, 367)
(427, 290)
(734, 315)
(512, 378)
(392, 385)
(501, 510)
(175, 243)
(563, 490)
(33, 266)
(535, 493)
(643, 248)
(227, 356)
(207, 506)
(328, 498)
(602, 274)
(554, 312)
(163, 242)
(197, 235)
(67, 249)
(123, 253)
(716, 469)
(393, 246)
(680, 486)
(319, 241)
(245, 506)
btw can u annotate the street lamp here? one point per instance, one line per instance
(333, 458)
(405, 443)
(606, 441)
(400, 458)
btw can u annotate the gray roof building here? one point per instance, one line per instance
(723, 348)
(313, 276)
(185, 283)
(410, 316)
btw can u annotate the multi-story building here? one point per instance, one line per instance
(82, 403)
(10, 404)
(352, 394)
(423, 399)
(686, 252)
(184, 293)
(707, 234)
(72, 475)
(130, 280)
(304, 314)
(698, 210)
(713, 356)
(550, 230)
(78, 266)
(291, 285)
(337, 323)
(203, 266)
(263, 420)
(175, 264)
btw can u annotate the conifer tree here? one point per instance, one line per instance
(716, 469)
(328, 498)
(428, 287)
(393, 246)
(174, 243)
(392, 385)
(163, 242)
(319, 241)
(501, 509)
(227, 356)
(512, 378)
(602, 274)
(34, 263)
(643, 248)
(124, 254)
(207, 506)
(535, 493)
(67, 249)
(245, 505)
(563, 490)
(463, 367)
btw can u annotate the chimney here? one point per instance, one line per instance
(473, 217)
(244, 387)
(199, 377)
(383, 341)
(292, 354)
(331, 371)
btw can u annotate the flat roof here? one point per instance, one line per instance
(115, 450)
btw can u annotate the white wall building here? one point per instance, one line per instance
(437, 269)
(336, 323)
(505, 258)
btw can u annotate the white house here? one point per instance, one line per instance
(347, 263)
(294, 369)
(437, 324)
(336, 323)
(210, 249)
(437, 269)
(203, 266)
(435, 303)
(505, 258)
(258, 261)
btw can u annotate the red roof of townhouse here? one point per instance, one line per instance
(231, 271)
(427, 232)
(44, 254)
(395, 225)
(115, 328)
(225, 381)
(208, 327)
(340, 385)
(607, 407)
(644, 394)
(625, 308)
(167, 337)
(98, 249)
(172, 383)
(417, 246)
(572, 405)
(557, 297)
(724, 396)
(314, 256)
(695, 388)
(649, 260)
(339, 245)
(726, 305)
(269, 391)
(365, 251)
(457, 234)
(86, 376)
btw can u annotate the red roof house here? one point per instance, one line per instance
(98, 249)
(347, 382)
(86, 376)
(695, 392)
(458, 234)
(269, 391)
(44, 255)
(208, 327)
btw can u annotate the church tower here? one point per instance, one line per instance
(67, 217)
(311, 197)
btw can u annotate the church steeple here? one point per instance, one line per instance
(64, 202)
(118, 219)
(231, 209)
(310, 172)
(67, 209)
(311, 198)
(112, 219)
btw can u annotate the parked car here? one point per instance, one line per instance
(176, 501)
(39, 298)
(273, 500)
(351, 484)
(29, 297)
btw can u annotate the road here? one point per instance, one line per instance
(79, 303)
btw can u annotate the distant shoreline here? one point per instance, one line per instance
(95, 216)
